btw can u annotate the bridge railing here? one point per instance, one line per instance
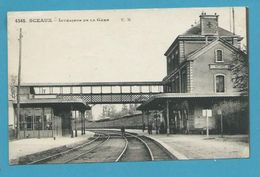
(101, 92)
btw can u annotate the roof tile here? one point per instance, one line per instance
(196, 30)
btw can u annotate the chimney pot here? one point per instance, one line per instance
(209, 24)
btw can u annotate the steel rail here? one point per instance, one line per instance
(88, 151)
(162, 147)
(137, 137)
(125, 146)
(140, 139)
(64, 152)
(146, 145)
(124, 150)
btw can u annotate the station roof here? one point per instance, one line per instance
(196, 30)
(204, 48)
(194, 33)
(158, 101)
(76, 103)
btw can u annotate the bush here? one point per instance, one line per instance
(235, 116)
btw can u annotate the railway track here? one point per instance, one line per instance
(136, 151)
(81, 152)
(159, 152)
(111, 151)
(110, 146)
(97, 150)
(55, 155)
(141, 148)
(145, 149)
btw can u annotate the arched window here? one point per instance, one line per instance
(220, 83)
(219, 55)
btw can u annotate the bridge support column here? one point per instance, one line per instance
(148, 123)
(71, 129)
(75, 122)
(143, 124)
(84, 118)
(81, 122)
(84, 123)
(168, 117)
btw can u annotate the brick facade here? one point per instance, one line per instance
(202, 67)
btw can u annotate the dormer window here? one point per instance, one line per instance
(219, 55)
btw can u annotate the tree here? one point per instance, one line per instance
(230, 107)
(109, 111)
(104, 113)
(131, 109)
(12, 86)
(239, 70)
(124, 110)
(240, 77)
(235, 115)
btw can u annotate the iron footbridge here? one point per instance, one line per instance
(97, 92)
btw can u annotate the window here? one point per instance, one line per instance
(176, 84)
(168, 88)
(38, 123)
(38, 116)
(219, 55)
(220, 83)
(22, 122)
(47, 119)
(29, 122)
(183, 81)
(169, 60)
(172, 56)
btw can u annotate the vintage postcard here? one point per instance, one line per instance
(128, 85)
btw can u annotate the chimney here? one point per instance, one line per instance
(209, 24)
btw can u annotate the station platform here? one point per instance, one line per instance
(183, 147)
(23, 147)
(186, 147)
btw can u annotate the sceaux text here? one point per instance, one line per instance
(34, 20)
(40, 20)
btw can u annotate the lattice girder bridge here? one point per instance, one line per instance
(98, 92)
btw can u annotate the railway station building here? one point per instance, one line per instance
(199, 77)
(189, 98)
(48, 117)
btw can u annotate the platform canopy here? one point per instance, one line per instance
(74, 103)
(158, 102)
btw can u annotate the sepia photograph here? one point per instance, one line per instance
(128, 85)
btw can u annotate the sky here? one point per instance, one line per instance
(115, 50)
(126, 45)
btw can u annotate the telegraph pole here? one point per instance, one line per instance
(19, 83)
(233, 18)
(230, 21)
